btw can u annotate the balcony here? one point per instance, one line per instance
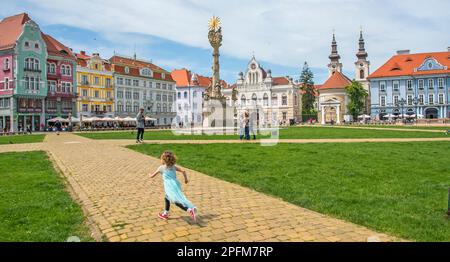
(5, 69)
(84, 83)
(10, 86)
(37, 70)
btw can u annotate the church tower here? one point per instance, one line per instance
(334, 65)
(362, 65)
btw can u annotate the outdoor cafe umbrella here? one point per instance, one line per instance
(389, 116)
(364, 116)
(149, 119)
(118, 119)
(74, 120)
(60, 119)
(129, 119)
(108, 119)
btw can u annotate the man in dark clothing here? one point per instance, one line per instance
(140, 125)
(58, 127)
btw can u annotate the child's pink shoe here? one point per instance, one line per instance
(192, 213)
(163, 216)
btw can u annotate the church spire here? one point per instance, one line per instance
(362, 54)
(334, 56)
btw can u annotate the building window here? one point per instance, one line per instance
(395, 86)
(164, 98)
(164, 108)
(430, 83)
(185, 94)
(158, 85)
(85, 93)
(36, 46)
(6, 64)
(243, 100)
(164, 86)
(136, 96)
(136, 107)
(179, 107)
(119, 106)
(265, 100)
(441, 98)
(84, 80)
(96, 94)
(96, 80)
(274, 100)
(179, 95)
(395, 100)
(85, 107)
(382, 86)
(170, 87)
(284, 100)
(382, 100)
(27, 44)
(158, 97)
(420, 84)
(421, 99)
(32, 64)
(284, 116)
(135, 82)
(127, 70)
(108, 82)
(409, 85)
(128, 107)
(158, 108)
(108, 108)
(108, 94)
(410, 98)
(440, 83)
(163, 76)
(6, 83)
(128, 94)
(128, 82)
(120, 81)
(362, 74)
(120, 94)
(431, 99)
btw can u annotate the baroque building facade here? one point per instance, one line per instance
(412, 84)
(139, 83)
(274, 100)
(95, 86)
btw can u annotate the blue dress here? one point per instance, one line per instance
(172, 186)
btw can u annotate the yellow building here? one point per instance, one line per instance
(95, 86)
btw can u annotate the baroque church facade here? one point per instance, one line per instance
(333, 99)
(269, 100)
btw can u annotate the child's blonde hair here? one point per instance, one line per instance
(168, 158)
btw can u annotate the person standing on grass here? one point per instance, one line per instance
(140, 125)
(172, 187)
(241, 127)
(247, 126)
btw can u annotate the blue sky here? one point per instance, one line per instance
(281, 33)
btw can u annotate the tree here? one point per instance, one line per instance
(357, 95)
(309, 92)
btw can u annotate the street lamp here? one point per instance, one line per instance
(402, 103)
(415, 102)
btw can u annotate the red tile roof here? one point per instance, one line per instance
(183, 77)
(336, 80)
(405, 65)
(280, 81)
(10, 30)
(56, 48)
(119, 63)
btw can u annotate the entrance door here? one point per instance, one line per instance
(330, 115)
(431, 113)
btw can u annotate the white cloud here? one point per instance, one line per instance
(281, 32)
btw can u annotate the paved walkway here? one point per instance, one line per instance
(125, 142)
(112, 185)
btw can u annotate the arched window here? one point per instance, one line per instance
(254, 99)
(68, 70)
(128, 107)
(164, 108)
(265, 100)
(185, 94)
(136, 107)
(119, 106)
(274, 99)
(63, 70)
(179, 95)
(127, 70)
(243, 100)
(257, 76)
(36, 46)
(31, 64)
(361, 74)
(158, 108)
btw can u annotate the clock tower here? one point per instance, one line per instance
(334, 65)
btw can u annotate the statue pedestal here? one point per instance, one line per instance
(218, 117)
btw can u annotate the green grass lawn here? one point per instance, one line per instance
(21, 139)
(406, 127)
(287, 133)
(34, 205)
(396, 188)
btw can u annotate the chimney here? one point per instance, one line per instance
(83, 52)
(403, 52)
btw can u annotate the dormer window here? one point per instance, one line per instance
(6, 64)
(163, 76)
(127, 70)
(146, 72)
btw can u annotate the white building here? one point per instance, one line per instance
(140, 83)
(273, 99)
